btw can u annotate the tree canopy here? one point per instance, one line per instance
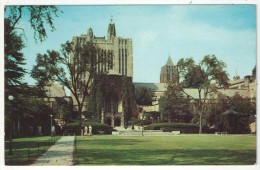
(206, 76)
(74, 68)
(144, 96)
(39, 18)
(174, 105)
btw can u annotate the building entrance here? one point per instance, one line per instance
(117, 121)
(108, 121)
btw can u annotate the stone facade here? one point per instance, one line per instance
(245, 87)
(168, 72)
(118, 52)
(247, 83)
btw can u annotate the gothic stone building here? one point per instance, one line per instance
(119, 52)
(168, 72)
(118, 49)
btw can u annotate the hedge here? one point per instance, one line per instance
(97, 128)
(182, 127)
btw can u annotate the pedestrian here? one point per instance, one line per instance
(85, 130)
(39, 130)
(82, 130)
(142, 130)
(53, 131)
(90, 130)
(133, 127)
(31, 130)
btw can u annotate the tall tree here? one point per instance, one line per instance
(39, 17)
(144, 96)
(206, 76)
(243, 110)
(174, 104)
(74, 68)
(14, 59)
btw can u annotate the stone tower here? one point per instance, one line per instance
(118, 50)
(168, 72)
(111, 32)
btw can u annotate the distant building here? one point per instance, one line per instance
(247, 83)
(245, 87)
(56, 98)
(168, 72)
(118, 51)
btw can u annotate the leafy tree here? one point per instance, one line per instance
(216, 107)
(14, 59)
(174, 104)
(240, 113)
(144, 96)
(206, 76)
(39, 18)
(74, 68)
(63, 108)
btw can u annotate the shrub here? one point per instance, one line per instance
(97, 128)
(138, 122)
(182, 127)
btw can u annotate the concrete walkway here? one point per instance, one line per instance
(61, 153)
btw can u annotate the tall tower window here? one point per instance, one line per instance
(105, 60)
(125, 61)
(119, 58)
(111, 59)
(123, 64)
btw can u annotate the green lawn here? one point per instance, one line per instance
(25, 150)
(167, 150)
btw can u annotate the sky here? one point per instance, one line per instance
(160, 31)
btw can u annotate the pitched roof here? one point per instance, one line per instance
(233, 82)
(54, 90)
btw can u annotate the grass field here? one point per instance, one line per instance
(26, 150)
(167, 150)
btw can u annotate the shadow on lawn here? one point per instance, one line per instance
(21, 145)
(113, 142)
(166, 157)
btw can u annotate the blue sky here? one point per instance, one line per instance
(157, 31)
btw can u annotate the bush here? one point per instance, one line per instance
(182, 127)
(97, 128)
(138, 122)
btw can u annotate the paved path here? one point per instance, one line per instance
(61, 153)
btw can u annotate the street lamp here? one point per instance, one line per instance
(51, 125)
(11, 98)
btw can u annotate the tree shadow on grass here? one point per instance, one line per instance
(112, 142)
(166, 157)
(28, 144)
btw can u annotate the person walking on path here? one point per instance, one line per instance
(90, 130)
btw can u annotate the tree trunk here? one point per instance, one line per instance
(200, 128)
(80, 118)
